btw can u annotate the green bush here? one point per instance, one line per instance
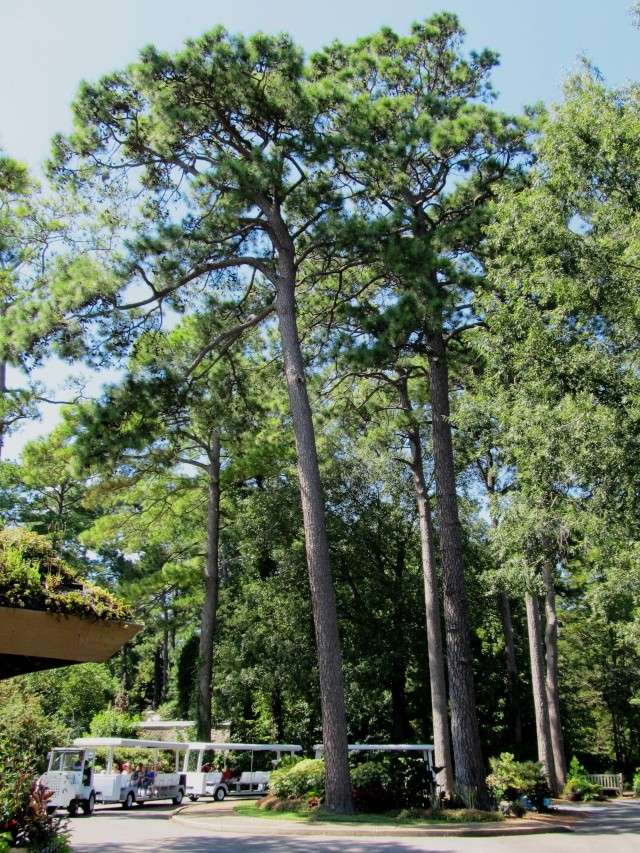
(636, 782)
(74, 694)
(302, 779)
(510, 779)
(27, 733)
(24, 820)
(33, 576)
(25, 726)
(110, 722)
(371, 784)
(578, 785)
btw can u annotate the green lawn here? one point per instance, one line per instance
(448, 816)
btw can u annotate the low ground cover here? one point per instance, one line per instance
(300, 810)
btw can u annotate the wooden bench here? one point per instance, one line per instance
(607, 781)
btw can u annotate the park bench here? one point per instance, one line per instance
(607, 781)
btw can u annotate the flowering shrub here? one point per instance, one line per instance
(24, 819)
(33, 576)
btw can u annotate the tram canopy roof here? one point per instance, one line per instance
(384, 747)
(126, 743)
(247, 747)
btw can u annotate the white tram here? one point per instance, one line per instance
(76, 785)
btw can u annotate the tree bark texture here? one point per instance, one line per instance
(541, 708)
(401, 729)
(435, 651)
(334, 722)
(552, 687)
(511, 666)
(465, 733)
(3, 391)
(210, 603)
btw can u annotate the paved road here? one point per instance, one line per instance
(614, 828)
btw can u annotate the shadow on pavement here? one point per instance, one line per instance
(614, 818)
(255, 844)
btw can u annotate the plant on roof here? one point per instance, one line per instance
(34, 577)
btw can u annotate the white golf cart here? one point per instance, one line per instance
(70, 779)
(203, 782)
(76, 785)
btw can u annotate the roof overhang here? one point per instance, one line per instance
(33, 640)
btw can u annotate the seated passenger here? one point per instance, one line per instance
(138, 775)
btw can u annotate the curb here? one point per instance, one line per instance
(263, 826)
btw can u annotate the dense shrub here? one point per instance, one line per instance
(33, 576)
(636, 782)
(27, 733)
(73, 694)
(301, 779)
(510, 780)
(25, 726)
(411, 784)
(578, 786)
(371, 783)
(392, 782)
(113, 723)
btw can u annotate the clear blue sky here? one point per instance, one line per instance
(48, 46)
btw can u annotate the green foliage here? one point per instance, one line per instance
(510, 779)
(303, 779)
(414, 215)
(33, 576)
(635, 784)
(27, 728)
(110, 722)
(371, 782)
(186, 675)
(578, 785)
(73, 694)
(26, 735)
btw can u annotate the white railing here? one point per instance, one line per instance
(607, 781)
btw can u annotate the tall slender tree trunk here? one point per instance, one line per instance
(401, 730)
(441, 738)
(3, 393)
(553, 692)
(334, 721)
(165, 649)
(504, 608)
(210, 603)
(465, 731)
(541, 708)
(511, 666)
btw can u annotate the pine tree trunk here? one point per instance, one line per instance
(465, 732)
(437, 683)
(3, 392)
(553, 692)
(541, 708)
(401, 730)
(334, 722)
(210, 603)
(513, 706)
